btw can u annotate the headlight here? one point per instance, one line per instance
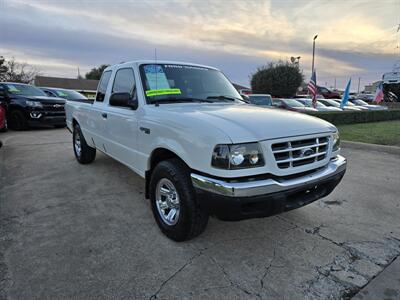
(34, 103)
(237, 156)
(336, 141)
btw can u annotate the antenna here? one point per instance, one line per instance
(155, 67)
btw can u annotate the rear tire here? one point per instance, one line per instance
(190, 219)
(18, 120)
(84, 154)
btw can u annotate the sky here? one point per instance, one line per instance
(356, 38)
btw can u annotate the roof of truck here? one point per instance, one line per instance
(166, 62)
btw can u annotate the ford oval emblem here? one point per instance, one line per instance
(307, 152)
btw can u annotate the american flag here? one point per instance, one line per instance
(379, 93)
(312, 88)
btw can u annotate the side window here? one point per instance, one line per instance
(124, 82)
(102, 88)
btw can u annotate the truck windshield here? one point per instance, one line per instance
(24, 90)
(69, 94)
(260, 99)
(179, 83)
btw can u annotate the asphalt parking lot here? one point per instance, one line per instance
(74, 231)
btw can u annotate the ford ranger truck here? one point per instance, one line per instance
(201, 149)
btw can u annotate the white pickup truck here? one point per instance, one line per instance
(201, 149)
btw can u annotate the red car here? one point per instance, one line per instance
(328, 94)
(3, 122)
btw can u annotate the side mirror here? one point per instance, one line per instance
(124, 100)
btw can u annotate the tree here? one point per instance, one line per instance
(16, 72)
(281, 79)
(95, 73)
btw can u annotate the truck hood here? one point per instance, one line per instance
(245, 123)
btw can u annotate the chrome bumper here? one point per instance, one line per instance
(267, 186)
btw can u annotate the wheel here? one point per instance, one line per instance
(84, 154)
(18, 120)
(174, 203)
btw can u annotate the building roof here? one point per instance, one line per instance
(67, 83)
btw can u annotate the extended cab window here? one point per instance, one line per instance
(124, 82)
(101, 90)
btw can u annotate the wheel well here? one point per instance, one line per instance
(158, 155)
(74, 122)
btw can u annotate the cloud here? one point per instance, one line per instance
(237, 36)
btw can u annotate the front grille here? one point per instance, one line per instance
(53, 106)
(302, 152)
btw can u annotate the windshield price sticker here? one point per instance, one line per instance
(12, 88)
(156, 78)
(152, 93)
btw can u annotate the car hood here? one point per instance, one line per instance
(244, 123)
(305, 108)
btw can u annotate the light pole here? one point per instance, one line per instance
(313, 52)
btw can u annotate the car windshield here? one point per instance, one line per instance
(24, 90)
(70, 95)
(172, 82)
(293, 103)
(308, 103)
(260, 99)
(360, 102)
(332, 103)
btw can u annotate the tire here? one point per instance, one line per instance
(84, 154)
(18, 120)
(190, 220)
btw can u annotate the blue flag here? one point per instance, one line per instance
(345, 95)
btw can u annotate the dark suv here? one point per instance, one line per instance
(27, 106)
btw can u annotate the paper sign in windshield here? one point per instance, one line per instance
(12, 88)
(152, 93)
(156, 78)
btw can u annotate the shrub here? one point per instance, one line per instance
(278, 79)
(350, 117)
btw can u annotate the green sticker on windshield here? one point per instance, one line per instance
(152, 93)
(12, 88)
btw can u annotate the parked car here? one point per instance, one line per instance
(360, 102)
(260, 99)
(202, 150)
(27, 105)
(292, 104)
(320, 106)
(349, 104)
(70, 95)
(326, 93)
(333, 103)
(366, 97)
(3, 119)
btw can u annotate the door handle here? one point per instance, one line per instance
(104, 115)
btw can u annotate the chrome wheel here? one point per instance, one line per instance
(167, 201)
(77, 144)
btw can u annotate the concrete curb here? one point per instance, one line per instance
(371, 147)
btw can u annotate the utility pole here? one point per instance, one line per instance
(313, 53)
(335, 83)
(358, 90)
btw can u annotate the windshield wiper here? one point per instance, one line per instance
(178, 100)
(222, 97)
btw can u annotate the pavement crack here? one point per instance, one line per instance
(231, 281)
(267, 269)
(190, 261)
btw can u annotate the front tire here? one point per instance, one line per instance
(18, 120)
(84, 154)
(174, 203)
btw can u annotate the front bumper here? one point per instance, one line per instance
(259, 198)
(44, 117)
